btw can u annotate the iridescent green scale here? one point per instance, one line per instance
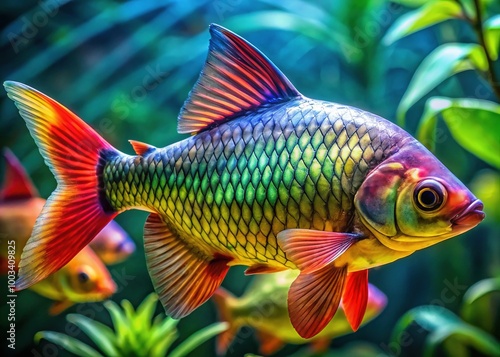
(236, 186)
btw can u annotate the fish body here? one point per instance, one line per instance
(83, 279)
(263, 306)
(270, 179)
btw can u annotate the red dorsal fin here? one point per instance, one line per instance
(141, 148)
(237, 77)
(313, 299)
(182, 278)
(17, 184)
(311, 250)
(355, 297)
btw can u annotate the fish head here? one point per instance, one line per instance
(412, 201)
(113, 245)
(86, 278)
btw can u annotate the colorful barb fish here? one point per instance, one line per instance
(20, 205)
(85, 278)
(263, 306)
(269, 179)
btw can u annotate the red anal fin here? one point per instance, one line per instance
(141, 148)
(355, 297)
(311, 250)
(314, 298)
(262, 269)
(17, 183)
(268, 344)
(237, 77)
(182, 278)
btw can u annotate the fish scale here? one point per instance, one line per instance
(239, 184)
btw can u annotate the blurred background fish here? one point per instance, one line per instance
(85, 278)
(20, 205)
(263, 306)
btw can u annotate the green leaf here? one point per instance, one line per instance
(101, 334)
(473, 123)
(440, 64)
(413, 3)
(144, 313)
(492, 36)
(120, 323)
(430, 14)
(199, 337)
(163, 335)
(478, 306)
(443, 324)
(486, 186)
(133, 334)
(69, 343)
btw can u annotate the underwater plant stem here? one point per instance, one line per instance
(478, 27)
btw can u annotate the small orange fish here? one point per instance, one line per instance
(263, 306)
(20, 205)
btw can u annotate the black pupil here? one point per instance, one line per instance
(428, 198)
(83, 277)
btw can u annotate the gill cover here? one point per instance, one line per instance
(376, 199)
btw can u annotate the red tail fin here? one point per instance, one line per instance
(223, 300)
(75, 212)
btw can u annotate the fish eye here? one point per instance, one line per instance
(429, 195)
(83, 277)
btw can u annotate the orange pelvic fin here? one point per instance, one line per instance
(314, 298)
(59, 306)
(75, 212)
(224, 300)
(311, 250)
(268, 344)
(17, 183)
(182, 278)
(355, 297)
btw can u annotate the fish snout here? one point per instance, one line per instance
(107, 289)
(470, 217)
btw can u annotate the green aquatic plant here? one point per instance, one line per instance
(135, 333)
(456, 335)
(473, 123)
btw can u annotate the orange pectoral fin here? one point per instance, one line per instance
(311, 250)
(355, 297)
(182, 279)
(314, 298)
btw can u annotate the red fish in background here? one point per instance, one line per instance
(20, 205)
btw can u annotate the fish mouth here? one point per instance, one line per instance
(470, 217)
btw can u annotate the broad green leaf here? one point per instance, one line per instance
(440, 64)
(199, 337)
(101, 334)
(413, 3)
(479, 302)
(473, 123)
(69, 343)
(133, 334)
(443, 324)
(492, 36)
(429, 14)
